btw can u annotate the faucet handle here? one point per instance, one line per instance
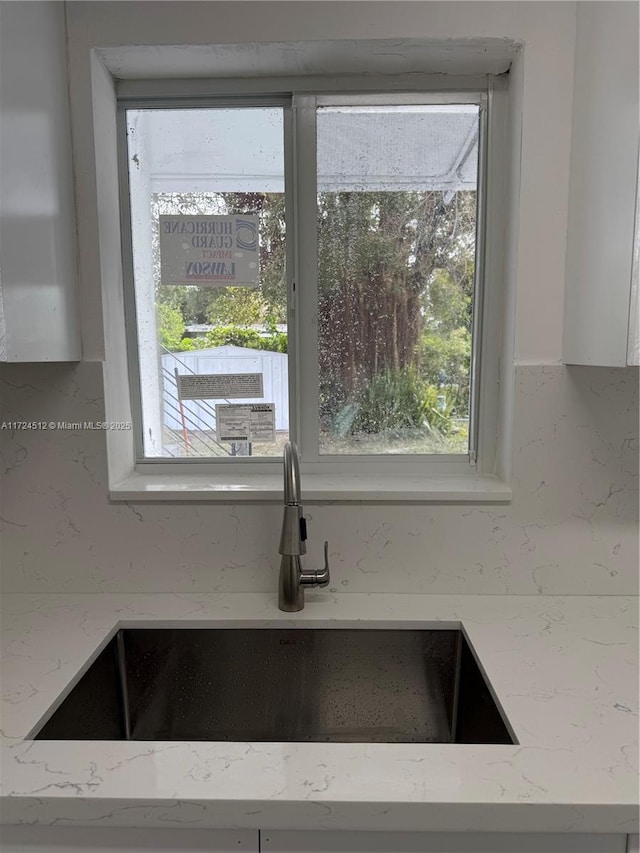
(325, 572)
(317, 577)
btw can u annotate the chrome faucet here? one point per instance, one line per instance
(293, 578)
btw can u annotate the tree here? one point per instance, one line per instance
(240, 306)
(170, 326)
(378, 253)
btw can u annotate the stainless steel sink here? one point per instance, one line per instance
(283, 684)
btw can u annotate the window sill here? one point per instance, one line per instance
(315, 487)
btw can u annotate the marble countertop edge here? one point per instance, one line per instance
(324, 815)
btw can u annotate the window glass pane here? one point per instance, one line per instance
(208, 234)
(397, 193)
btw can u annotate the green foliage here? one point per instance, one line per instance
(446, 358)
(170, 326)
(242, 337)
(390, 401)
(193, 301)
(445, 347)
(446, 302)
(394, 401)
(237, 306)
(440, 405)
(238, 336)
(188, 344)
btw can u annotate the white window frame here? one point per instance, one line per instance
(307, 394)
(387, 478)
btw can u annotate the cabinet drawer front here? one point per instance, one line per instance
(438, 842)
(78, 839)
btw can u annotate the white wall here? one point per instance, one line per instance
(572, 526)
(546, 29)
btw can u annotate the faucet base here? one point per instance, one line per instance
(290, 590)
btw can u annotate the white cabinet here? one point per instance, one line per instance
(599, 328)
(38, 278)
(439, 842)
(67, 839)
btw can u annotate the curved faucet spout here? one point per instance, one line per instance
(291, 474)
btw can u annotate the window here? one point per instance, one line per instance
(306, 267)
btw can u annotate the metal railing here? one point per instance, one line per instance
(196, 440)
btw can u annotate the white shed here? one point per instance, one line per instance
(200, 414)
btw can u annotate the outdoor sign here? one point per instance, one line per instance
(219, 386)
(246, 422)
(210, 251)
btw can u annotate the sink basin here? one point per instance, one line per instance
(282, 684)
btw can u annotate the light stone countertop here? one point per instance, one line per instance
(564, 669)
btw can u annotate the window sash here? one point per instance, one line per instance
(131, 324)
(304, 111)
